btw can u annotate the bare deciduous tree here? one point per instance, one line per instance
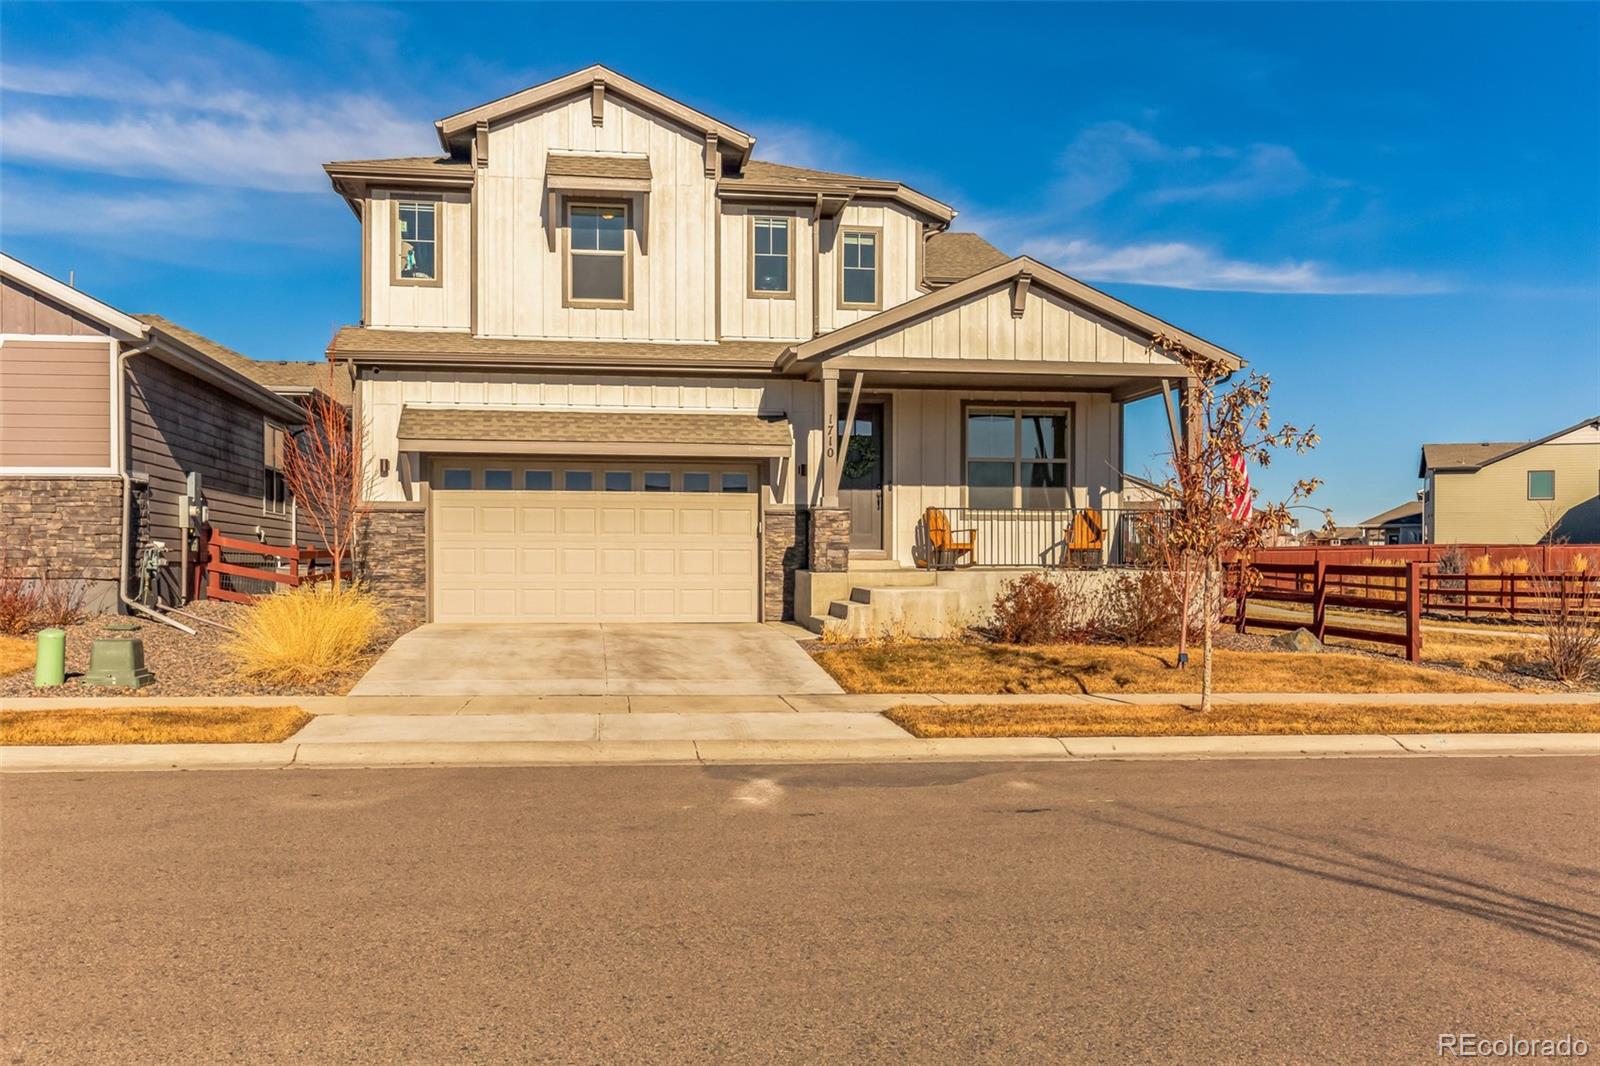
(1200, 530)
(323, 468)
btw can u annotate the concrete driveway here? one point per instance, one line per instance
(493, 659)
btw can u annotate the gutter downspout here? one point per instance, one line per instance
(127, 492)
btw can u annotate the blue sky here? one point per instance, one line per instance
(1394, 210)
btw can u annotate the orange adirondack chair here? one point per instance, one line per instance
(1088, 533)
(948, 545)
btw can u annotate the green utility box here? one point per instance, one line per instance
(118, 662)
(50, 658)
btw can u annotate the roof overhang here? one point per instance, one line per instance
(455, 131)
(484, 431)
(1022, 273)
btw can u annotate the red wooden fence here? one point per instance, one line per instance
(1320, 585)
(299, 565)
(1545, 558)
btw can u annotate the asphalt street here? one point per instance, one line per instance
(1244, 911)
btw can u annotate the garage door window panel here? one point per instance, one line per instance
(578, 481)
(457, 478)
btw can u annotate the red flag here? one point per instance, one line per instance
(1241, 507)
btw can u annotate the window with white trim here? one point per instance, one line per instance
(1018, 457)
(859, 271)
(597, 253)
(1541, 484)
(416, 242)
(769, 255)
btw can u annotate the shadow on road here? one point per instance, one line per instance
(1330, 858)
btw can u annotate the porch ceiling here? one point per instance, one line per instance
(1125, 382)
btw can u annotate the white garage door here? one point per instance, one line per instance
(593, 544)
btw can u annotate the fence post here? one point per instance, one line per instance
(294, 570)
(213, 557)
(1319, 598)
(1413, 611)
(1243, 594)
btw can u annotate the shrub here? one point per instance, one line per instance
(1453, 561)
(19, 598)
(1579, 564)
(60, 603)
(1039, 608)
(1571, 625)
(1139, 607)
(305, 635)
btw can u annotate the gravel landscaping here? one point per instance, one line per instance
(187, 665)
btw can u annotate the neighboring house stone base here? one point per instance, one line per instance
(393, 557)
(66, 529)
(783, 551)
(829, 541)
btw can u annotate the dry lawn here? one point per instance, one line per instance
(1127, 720)
(951, 666)
(152, 725)
(16, 654)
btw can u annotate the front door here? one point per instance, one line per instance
(861, 483)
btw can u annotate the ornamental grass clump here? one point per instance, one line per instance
(305, 635)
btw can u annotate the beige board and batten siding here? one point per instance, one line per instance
(383, 398)
(899, 253)
(1491, 505)
(521, 274)
(178, 425)
(56, 405)
(419, 305)
(1051, 329)
(750, 316)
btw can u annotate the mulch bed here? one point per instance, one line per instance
(185, 665)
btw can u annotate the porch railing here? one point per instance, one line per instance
(1049, 537)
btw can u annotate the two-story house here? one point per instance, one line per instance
(613, 367)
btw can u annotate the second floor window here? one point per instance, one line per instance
(416, 240)
(858, 283)
(1541, 484)
(769, 263)
(598, 269)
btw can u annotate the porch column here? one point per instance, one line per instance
(828, 547)
(829, 497)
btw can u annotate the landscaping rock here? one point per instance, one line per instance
(1298, 640)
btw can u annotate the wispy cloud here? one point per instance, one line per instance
(1265, 170)
(800, 145)
(226, 120)
(1182, 265)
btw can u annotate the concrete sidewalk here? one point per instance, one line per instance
(856, 703)
(822, 737)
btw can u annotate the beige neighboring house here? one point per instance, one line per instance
(1527, 492)
(614, 366)
(108, 420)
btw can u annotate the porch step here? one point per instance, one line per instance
(923, 612)
(900, 577)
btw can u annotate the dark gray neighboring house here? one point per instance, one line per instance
(106, 420)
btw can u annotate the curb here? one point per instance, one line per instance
(291, 755)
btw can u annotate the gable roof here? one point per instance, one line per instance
(952, 257)
(283, 377)
(1023, 266)
(455, 130)
(61, 293)
(759, 177)
(1410, 509)
(1470, 457)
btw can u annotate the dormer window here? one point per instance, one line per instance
(770, 246)
(416, 242)
(597, 254)
(858, 269)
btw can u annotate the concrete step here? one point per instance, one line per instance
(903, 577)
(909, 611)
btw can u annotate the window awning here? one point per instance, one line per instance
(689, 434)
(574, 172)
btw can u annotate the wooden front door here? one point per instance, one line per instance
(861, 486)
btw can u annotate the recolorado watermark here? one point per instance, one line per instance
(1511, 1046)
